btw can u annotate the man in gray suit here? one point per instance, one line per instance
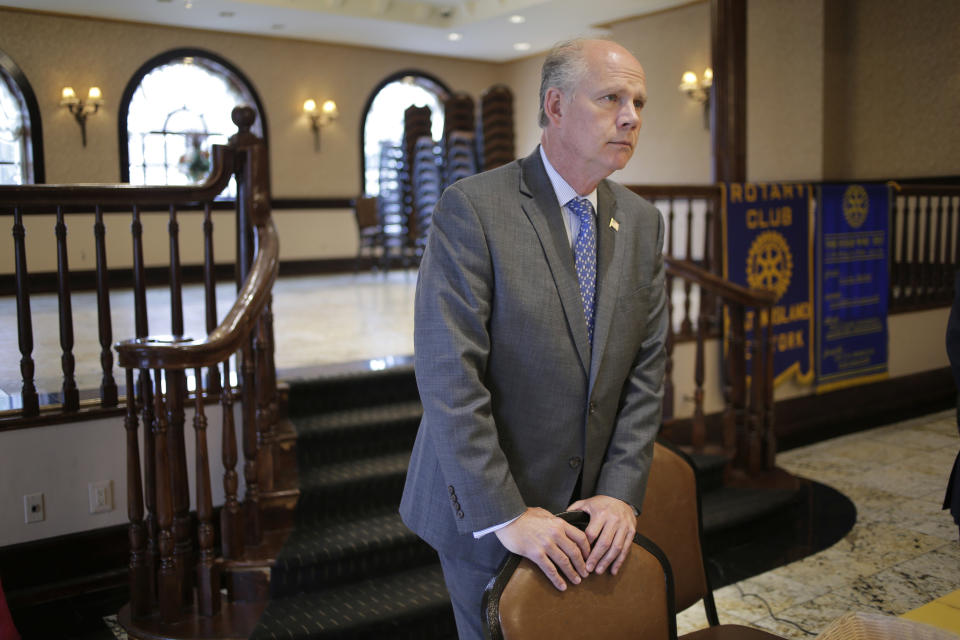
(539, 344)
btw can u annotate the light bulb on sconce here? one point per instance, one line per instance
(321, 117)
(82, 109)
(698, 89)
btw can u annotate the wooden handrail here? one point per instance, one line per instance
(49, 195)
(730, 291)
(676, 190)
(925, 189)
(181, 352)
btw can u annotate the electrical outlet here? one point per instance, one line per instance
(33, 510)
(101, 496)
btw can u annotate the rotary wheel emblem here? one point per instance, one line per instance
(769, 263)
(856, 204)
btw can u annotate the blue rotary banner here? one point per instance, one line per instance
(852, 284)
(767, 245)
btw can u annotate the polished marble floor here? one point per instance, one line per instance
(902, 553)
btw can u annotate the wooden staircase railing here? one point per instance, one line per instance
(924, 245)
(747, 436)
(174, 571)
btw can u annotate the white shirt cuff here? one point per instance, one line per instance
(496, 527)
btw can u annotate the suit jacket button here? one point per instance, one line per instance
(575, 462)
(460, 514)
(592, 408)
(450, 489)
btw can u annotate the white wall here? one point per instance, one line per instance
(61, 460)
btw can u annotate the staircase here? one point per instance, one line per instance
(351, 569)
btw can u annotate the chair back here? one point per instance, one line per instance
(522, 604)
(671, 518)
(366, 212)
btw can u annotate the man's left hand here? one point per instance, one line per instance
(610, 532)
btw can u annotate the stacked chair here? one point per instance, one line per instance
(427, 185)
(390, 211)
(416, 126)
(458, 113)
(496, 126)
(461, 160)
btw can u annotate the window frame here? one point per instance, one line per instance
(33, 112)
(159, 60)
(393, 77)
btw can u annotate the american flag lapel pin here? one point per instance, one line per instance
(614, 224)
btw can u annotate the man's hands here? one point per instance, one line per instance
(558, 547)
(610, 532)
(551, 543)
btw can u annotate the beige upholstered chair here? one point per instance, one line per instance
(521, 604)
(671, 519)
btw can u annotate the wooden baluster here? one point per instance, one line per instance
(266, 399)
(176, 399)
(668, 250)
(208, 575)
(769, 430)
(912, 264)
(139, 576)
(928, 266)
(248, 390)
(898, 250)
(139, 277)
(145, 393)
(955, 254)
(936, 256)
(671, 226)
(734, 388)
(686, 327)
(757, 348)
(71, 396)
(708, 301)
(668, 403)
(108, 386)
(210, 293)
(141, 329)
(699, 434)
(947, 265)
(906, 275)
(28, 390)
(231, 523)
(168, 587)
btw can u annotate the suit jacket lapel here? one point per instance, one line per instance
(543, 211)
(609, 266)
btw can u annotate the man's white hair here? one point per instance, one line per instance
(563, 69)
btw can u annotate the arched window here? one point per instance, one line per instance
(173, 110)
(383, 119)
(21, 144)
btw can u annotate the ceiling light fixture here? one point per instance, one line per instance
(454, 37)
(517, 19)
(522, 46)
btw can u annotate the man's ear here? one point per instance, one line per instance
(554, 105)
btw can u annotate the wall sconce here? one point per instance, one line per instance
(698, 89)
(320, 117)
(81, 109)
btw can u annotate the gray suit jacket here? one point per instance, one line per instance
(516, 404)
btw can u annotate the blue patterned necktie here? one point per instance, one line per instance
(585, 258)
